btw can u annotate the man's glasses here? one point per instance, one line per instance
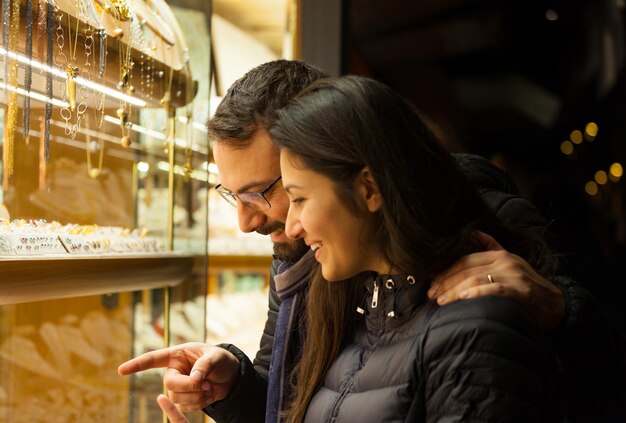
(253, 200)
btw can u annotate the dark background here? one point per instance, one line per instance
(511, 80)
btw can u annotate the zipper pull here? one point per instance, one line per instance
(375, 297)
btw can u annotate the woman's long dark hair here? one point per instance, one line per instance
(430, 212)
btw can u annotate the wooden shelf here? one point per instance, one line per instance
(26, 279)
(219, 262)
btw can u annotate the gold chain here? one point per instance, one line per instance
(9, 130)
(121, 11)
(70, 68)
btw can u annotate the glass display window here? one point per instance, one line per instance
(103, 215)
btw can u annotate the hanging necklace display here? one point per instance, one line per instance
(125, 109)
(88, 15)
(11, 119)
(68, 62)
(120, 10)
(70, 68)
(49, 60)
(84, 91)
(62, 62)
(72, 72)
(28, 70)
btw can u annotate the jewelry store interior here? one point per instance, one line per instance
(106, 246)
(113, 241)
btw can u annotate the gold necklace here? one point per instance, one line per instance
(49, 29)
(102, 51)
(68, 87)
(9, 130)
(93, 172)
(70, 68)
(28, 69)
(121, 11)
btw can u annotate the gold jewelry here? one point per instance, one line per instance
(62, 62)
(94, 172)
(9, 130)
(121, 11)
(28, 69)
(102, 53)
(83, 91)
(6, 28)
(70, 91)
(71, 69)
(49, 88)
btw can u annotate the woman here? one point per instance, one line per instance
(384, 209)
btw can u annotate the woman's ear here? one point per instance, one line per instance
(367, 188)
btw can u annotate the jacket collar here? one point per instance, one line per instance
(391, 300)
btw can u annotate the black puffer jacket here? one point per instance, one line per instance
(590, 348)
(477, 360)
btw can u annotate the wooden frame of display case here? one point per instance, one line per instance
(27, 279)
(219, 263)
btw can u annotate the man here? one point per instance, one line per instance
(229, 387)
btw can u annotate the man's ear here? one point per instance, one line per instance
(368, 191)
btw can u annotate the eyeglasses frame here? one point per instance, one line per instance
(229, 195)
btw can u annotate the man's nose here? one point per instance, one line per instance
(249, 219)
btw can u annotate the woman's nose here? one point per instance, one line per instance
(293, 228)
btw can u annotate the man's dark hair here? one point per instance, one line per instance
(252, 101)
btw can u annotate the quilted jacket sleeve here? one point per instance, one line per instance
(485, 360)
(246, 403)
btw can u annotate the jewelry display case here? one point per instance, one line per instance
(103, 214)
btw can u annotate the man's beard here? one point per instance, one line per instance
(292, 250)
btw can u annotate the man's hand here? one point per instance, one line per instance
(511, 276)
(196, 374)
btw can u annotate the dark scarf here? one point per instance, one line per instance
(291, 286)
